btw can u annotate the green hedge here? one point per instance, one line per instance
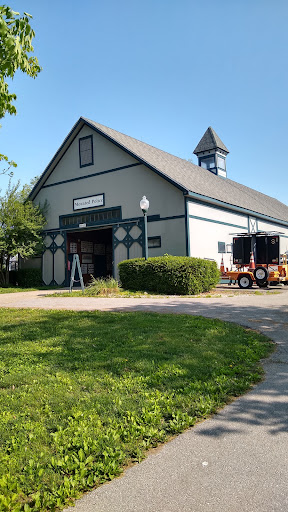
(26, 277)
(174, 275)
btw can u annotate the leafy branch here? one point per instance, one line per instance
(10, 163)
(16, 37)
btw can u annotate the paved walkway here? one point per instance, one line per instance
(235, 462)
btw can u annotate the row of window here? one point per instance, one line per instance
(90, 218)
(210, 162)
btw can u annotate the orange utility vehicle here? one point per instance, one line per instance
(257, 259)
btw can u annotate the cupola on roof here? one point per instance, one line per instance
(209, 141)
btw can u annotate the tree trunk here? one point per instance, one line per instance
(2, 277)
(7, 271)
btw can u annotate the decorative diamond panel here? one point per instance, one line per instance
(120, 233)
(47, 241)
(59, 240)
(135, 232)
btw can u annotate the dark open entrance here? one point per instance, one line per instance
(95, 253)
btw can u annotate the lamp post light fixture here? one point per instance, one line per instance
(144, 205)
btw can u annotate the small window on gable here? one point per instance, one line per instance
(86, 151)
(221, 247)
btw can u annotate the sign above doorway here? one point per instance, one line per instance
(88, 202)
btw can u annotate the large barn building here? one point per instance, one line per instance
(93, 186)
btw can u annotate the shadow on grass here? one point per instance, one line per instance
(82, 345)
(265, 407)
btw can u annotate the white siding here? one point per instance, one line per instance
(47, 267)
(208, 212)
(207, 226)
(59, 266)
(120, 254)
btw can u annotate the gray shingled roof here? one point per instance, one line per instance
(196, 179)
(210, 140)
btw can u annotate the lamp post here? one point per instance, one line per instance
(144, 205)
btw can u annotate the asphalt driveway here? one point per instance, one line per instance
(237, 461)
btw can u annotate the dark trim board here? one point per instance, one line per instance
(187, 236)
(153, 218)
(113, 223)
(216, 206)
(217, 222)
(271, 222)
(90, 175)
(88, 212)
(173, 217)
(102, 222)
(216, 203)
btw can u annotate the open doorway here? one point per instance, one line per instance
(95, 253)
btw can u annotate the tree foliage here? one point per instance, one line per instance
(16, 37)
(8, 165)
(21, 223)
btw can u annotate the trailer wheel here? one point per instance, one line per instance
(245, 281)
(261, 275)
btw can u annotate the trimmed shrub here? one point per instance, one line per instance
(174, 275)
(26, 277)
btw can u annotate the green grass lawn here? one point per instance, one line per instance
(117, 293)
(84, 393)
(17, 289)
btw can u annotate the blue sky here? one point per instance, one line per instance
(160, 71)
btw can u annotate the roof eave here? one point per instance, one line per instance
(217, 202)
